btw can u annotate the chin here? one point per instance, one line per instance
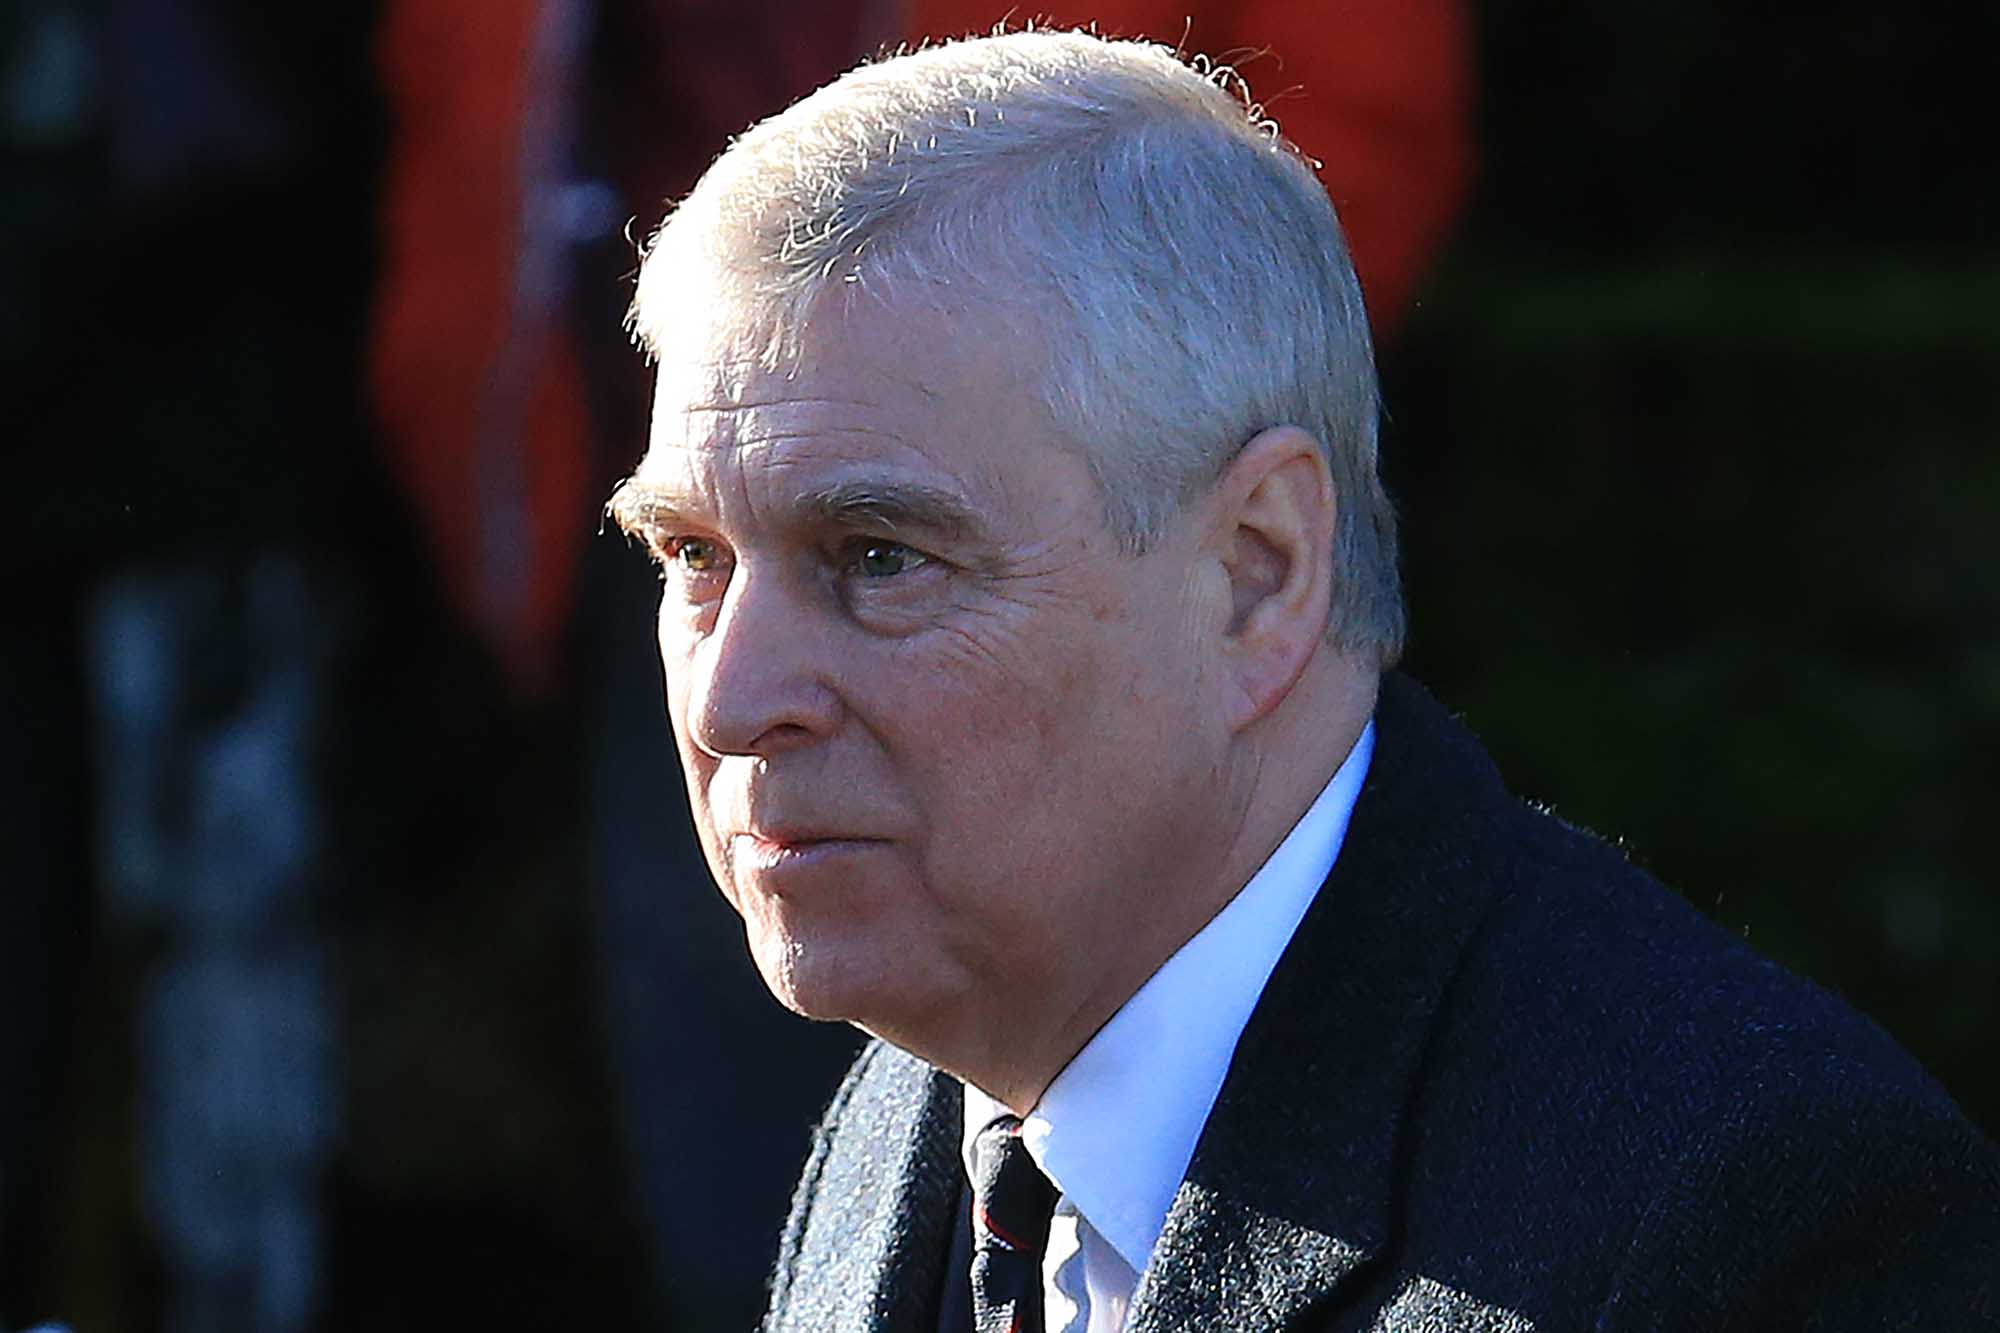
(814, 981)
(845, 982)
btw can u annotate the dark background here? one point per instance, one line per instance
(1692, 432)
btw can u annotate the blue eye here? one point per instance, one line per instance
(876, 559)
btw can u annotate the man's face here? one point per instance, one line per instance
(945, 742)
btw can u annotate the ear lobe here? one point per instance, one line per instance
(1276, 528)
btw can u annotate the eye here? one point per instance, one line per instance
(876, 558)
(696, 555)
(697, 566)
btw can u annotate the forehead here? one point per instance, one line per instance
(912, 398)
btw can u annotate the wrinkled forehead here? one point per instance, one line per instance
(701, 391)
(704, 343)
(904, 392)
(721, 390)
(913, 358)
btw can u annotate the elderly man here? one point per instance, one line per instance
(1030, 599)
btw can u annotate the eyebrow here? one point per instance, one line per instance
(638, 509)
(894, 506)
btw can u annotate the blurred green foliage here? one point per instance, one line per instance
(1705, 546)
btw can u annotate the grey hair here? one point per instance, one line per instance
(1179, 264)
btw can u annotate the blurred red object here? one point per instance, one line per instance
(458, 75)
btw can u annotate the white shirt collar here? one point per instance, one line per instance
(1117, 1128)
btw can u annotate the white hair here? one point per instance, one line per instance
(1179, 265)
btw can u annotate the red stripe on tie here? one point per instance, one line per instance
(994, 1230)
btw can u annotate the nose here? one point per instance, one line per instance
(760, 680)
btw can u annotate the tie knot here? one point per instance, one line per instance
(1011, 1197)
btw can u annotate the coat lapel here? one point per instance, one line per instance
(1291, 1192)
(877, 1208)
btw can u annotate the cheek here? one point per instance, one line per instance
(1095, 726)
(994, 758)
(971, 704)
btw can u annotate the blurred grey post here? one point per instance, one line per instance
(210, 678)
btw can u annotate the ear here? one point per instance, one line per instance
(1273, 532)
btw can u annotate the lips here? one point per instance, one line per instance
(794, 835)
(783, 849)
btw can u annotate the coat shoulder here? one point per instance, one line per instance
(1617, 1114)
(1636, 1109)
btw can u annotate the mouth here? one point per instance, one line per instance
(771, 852)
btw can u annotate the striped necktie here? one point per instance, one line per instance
(1012, 1202)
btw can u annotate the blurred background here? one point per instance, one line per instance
(356, 965)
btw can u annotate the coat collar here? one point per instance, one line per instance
(1261, 1229)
